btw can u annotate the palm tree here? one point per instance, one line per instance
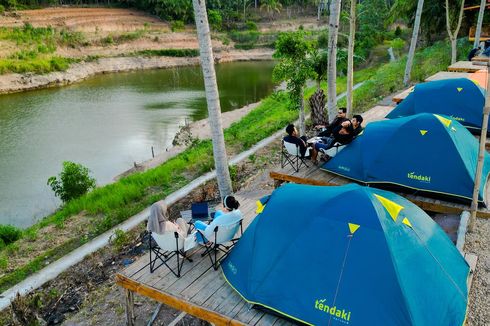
(332, 58)
(350, 56)
(413, 43)
(271, 6)
(212, 98)
(453, 37)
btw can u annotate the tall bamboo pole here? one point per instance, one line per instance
(479, 23)
(481, 150)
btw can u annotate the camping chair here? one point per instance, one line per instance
(168, 245)
(291, 155)
(332, 151)
(223, 239)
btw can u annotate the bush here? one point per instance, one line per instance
(74, 181)
(2, 9)
(177, 25)
(215, 20)
(251, 26)
(9, 234)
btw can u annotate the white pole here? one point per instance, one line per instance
(479, 23)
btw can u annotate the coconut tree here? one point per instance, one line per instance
(317, 100)
(479, 23)
(350, 56)
(212, 97)
(453, 37)
(413, 42)
(332, 58)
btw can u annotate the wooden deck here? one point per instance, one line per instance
(447, 75)
(200, 291)
(402, 95)
(464, 66)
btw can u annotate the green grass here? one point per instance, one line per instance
(389, 77)
(36, 65)
(114, 203)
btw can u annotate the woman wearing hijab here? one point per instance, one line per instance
(229, 215)
(159, 222)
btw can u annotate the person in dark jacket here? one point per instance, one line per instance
(293, 137)
(343, 134)
(341, 117)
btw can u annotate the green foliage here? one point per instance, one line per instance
(215, 20)
(169, 53)
(9, 234)
(2, 9)
(74, 181)
(120, 239)
(251, 26)
(372, 16)
(244, 39)
(294, 67)
(177, 25)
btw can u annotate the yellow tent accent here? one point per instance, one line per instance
(423, 132)
(392, 207)
(353, 227)
(444, 121)
(407, 222)
(260, 207)
(460, 89)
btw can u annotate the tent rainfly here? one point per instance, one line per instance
(459, 98)
(426, 153)
(348, 255)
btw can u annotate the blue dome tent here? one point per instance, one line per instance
(349, 255)
(426, 153)
(459, 98)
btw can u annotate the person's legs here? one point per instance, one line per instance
(183, 226)
(201, 226)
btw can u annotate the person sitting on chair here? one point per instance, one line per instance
(341, 117)
(343, 134)
(357, 124)
(228, 215)
(159, 222)
(293, 138)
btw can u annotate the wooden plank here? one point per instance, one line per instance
(464, 66)
(291, 178)
(174, 302)
(402, 95)
(447, 75)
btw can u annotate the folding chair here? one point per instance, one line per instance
(334, 150)
(170, 244)
(291, 155)
(221, 239)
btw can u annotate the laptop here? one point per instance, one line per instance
(200, 211)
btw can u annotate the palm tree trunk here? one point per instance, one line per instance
(332, 58)
(350, 57)
(479, 23)
(453, 37)
(302, 129)
(212, 98)
(413, 43)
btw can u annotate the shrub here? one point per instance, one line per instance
(2, 9)
(74, 181)
(251, 26)
(120, 239)
(9, 234)
(177, 25)
(215, 19)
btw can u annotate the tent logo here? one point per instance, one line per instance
(232, 268)
(339, 314)
(457, 118)
(419, 177)
(345, 168)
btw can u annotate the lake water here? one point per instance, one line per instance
(105, 123)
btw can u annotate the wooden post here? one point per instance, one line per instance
(129, 295)
(481, 150)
